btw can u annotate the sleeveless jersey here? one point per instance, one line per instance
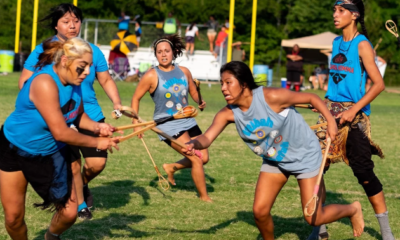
(283, 140)
(170, 96)
(26, 128)
(170, 26)
(91, 106)
(347, 76)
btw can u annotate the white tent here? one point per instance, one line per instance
(322, 41)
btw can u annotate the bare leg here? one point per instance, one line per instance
(331, 212)
(191, 48)
(76, 171)
(12, 191)
(66, 217)
(197, 169)
(92, 168)
(211, 41)
(268, 187)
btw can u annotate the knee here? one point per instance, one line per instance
(69, 215)
(96, 166)
(76, 168)
(260, 213)
(205, 158)
(14, 220)
(370, 182)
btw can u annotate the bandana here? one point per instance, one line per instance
(162, 40)
(347, 4)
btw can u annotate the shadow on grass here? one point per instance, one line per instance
(115, 225)
(117, 194)
(282, 226)
(184, 181)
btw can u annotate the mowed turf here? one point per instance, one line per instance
(129, 204)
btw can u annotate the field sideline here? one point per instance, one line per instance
(128, 203)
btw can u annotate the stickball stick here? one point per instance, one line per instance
(197, 82)
(392, 28)
(312, 203)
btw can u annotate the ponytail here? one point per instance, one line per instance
(73, 48)
(361, 8)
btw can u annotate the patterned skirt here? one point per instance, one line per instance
(337, 151)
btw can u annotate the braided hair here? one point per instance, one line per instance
(361, 8)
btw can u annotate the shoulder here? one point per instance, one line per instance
(273, 95)
(363, 42)
(43, 84)
(38, 49)
(226, 113)
(184, 69)
(95, 48)
(337, 38)
(150, 75)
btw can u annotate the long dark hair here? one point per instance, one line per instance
(361, 9)
(58, 12)
(241, 72)
(191, 25)
(176, 44)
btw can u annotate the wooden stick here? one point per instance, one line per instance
(197, 82)
(314, 127)
(162, 182)
(303, 106)
(124, 138)
(130, 126)
(314, 198)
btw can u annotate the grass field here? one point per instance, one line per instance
(128, 203)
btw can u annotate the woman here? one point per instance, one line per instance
(352, 63)
(138, 32)
(49, 102)
(212, 26)
(169, 85)
(294, 68)
(66, 21)
(191, 32)
(272, 129)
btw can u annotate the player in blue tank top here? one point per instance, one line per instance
(34, 138)
(169, 86)
(353, 61)
(66, 21)
(268, 124)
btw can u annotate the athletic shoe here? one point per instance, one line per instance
(49, 236)
(87, 196)
(85, 214)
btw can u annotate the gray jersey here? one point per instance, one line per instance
(284, 140)
(170, 96)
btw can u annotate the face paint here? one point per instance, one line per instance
(79, 70)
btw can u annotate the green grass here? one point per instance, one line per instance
(128, 203)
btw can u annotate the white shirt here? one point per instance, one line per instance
(191, 33)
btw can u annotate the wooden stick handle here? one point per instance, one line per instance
(321, 170)
(314, 127)
(303, 106)
(152, 160)
(124, 138)
(133, 125)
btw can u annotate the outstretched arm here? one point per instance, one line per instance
(109, 86)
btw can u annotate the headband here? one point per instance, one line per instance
(347, 4)
(162, 40)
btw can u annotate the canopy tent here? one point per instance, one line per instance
(312, 48)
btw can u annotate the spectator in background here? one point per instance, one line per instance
(212, 25)
(123, 22)
(322, 76)
(138, 32)
(191, 32)
(170, 24)
(294, 68)
(220, 40)
(380, 63)
(238, 54)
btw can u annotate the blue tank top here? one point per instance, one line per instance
(26, 128)
(170, 96)
(347, 76)
(283, 140)
(92, 107)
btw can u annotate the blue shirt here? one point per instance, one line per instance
(124, 24)
(347, 77)
(26, 128)
(90, 104)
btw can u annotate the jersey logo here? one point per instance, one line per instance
(339, 58)
(68, 107)
(337, 77)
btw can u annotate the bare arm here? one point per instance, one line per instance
(192, 88)
(279, 99)
(25, 75)
(367, 55)
(148, 83)
(109, 86)
(44, 94)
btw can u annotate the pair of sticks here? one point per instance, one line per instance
(186, 112)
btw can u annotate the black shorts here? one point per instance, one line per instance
(50, 176)
(193, 132)
(293, 77)
(87, 152)
(189, 39)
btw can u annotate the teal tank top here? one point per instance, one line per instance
(347, 76)
(26, 128)
(283, 140)
(170, 96)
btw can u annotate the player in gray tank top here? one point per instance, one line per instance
(169, 86)
(268, 124)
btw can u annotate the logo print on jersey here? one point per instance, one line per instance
(68, 107)
(339, 58)
(260, 134)
(337, 77)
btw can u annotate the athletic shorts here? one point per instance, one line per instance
(217, 49)
(293, 77)
(189, 39)
(50, 176)
(87, 152)
(211, 32)
(268, 168)
(138, 39)
(193, 132)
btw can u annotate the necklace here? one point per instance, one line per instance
(341, 40)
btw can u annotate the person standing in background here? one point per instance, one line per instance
(123, 22)
(294, 68)
(212, 25)
(171, 24)
(238, 54)
(138, 32)
(191, 31)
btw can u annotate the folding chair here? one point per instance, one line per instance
(119, 68)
